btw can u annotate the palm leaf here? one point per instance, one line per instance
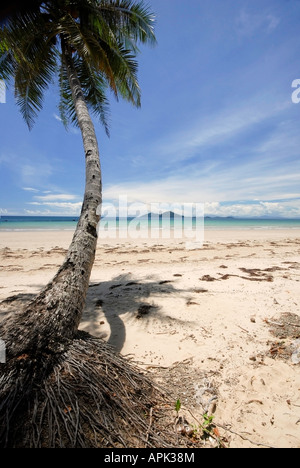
(95, 87)
(32, 78)
(7, 64)
(131, 19)
(31, 60)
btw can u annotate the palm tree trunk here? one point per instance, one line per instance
(52, 319)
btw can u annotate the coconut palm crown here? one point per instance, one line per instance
(99, 37)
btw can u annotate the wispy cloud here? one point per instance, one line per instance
(249, 24)
(253, 180)
(30, 189)
(31, 170)
(180, 191)
(57, 117)
(242, 183)
(217, 128)
(288, 209)
(59, 211)
(73, 130)
(55, 197)
(60, 203)
(65, 207)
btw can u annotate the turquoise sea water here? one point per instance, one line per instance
(57, 223)
(37, 223)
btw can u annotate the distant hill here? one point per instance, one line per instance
(164, 215)
(172, 215)
(219, 217)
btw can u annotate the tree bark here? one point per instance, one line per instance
(49, 323)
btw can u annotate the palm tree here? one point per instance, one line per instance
(92, 44)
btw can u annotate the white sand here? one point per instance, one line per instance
(217, 328)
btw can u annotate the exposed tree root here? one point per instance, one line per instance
(89, 396)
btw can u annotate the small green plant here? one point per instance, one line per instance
(205, 428)
(208, 422)
(177, 406)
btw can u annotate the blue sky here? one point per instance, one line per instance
(217, 124)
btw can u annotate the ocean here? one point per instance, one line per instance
(67, 223)
(38, 223)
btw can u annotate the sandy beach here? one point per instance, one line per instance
(220, 325)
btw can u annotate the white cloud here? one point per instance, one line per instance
(40, 213)
(51, 212)
(71, 129)
(57, 117)
(53, 197)
(247, 181)
(254, 172)
(60, 204)
(64, 208)
(258, 179)
(218, 128)
(288, 208)
(30, 189)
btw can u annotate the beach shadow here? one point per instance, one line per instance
(122, 295)
(15, 303)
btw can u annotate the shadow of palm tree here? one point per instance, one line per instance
(122, 295)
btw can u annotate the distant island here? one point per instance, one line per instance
(173, 215)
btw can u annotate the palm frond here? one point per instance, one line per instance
(32, 78)
(102, 37)
(30, 59)
(30, 86)
(94, 89)
(132, 19)
(126, 67)
(87, 46)
(66, 104)
(7, 63)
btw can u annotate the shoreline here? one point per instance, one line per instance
(201, 316)
(138, 226)
(47, 238)
(172, 229)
